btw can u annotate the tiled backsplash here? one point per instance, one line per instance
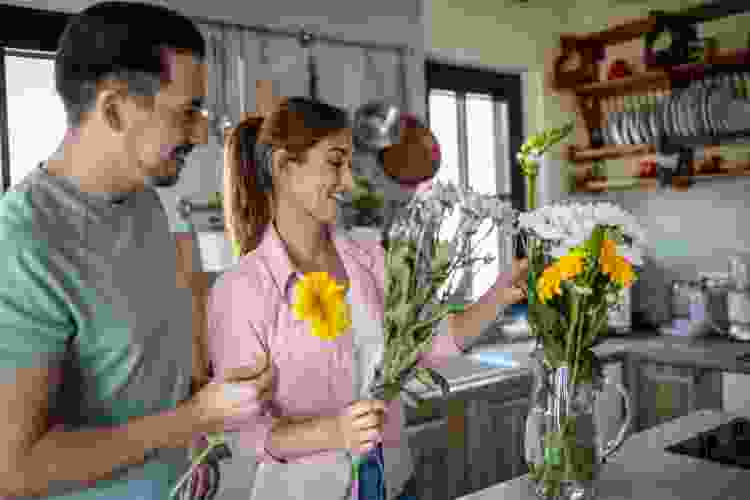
(689, 232)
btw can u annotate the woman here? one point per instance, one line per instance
(282, 211)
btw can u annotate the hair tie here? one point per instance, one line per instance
(408, 120)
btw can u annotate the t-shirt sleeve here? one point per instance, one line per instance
(35, 320)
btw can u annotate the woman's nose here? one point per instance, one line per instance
(347, 178)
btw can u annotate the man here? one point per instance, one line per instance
(95, 356)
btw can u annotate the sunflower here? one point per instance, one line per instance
(549, 283)
(320, 301)
(615, 266)
(570, 266)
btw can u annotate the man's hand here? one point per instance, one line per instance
(240, 395)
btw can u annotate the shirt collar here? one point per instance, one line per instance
(273, 252)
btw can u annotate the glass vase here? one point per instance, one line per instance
(564, 448)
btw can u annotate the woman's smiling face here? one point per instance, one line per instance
(310, 184)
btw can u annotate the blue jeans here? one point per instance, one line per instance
(372, 482)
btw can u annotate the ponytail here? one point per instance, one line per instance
(247, 209)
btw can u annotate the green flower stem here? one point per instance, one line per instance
(192, 468)
(531, 191)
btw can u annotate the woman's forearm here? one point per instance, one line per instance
(475, 318)
(291, 437)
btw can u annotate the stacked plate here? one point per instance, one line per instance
(713, 106)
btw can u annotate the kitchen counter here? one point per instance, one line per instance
(643, 470)
(709, 353)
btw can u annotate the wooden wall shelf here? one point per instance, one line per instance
(730, 169)
(576, 154)
(576, 71)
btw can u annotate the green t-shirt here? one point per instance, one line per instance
(89, 290)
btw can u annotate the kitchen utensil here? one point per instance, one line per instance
(738, 309)
(738, 273)
(383, 129)
(716, 286)
(690, 309)
(620, 314)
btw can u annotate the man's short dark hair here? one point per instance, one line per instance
(122, 41)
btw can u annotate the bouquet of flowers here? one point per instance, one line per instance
(580, 257)
(422, 270)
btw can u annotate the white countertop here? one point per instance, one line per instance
(642, 470)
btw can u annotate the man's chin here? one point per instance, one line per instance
(162, 181)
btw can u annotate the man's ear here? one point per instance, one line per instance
(109, 107)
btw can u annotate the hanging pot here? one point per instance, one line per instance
(407, 151)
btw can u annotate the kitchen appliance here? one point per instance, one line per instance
(727, 444)
(689, 311)
(738, 299)
(620, 314)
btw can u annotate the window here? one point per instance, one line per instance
(476, 117)
(36, 117)
(32, 120)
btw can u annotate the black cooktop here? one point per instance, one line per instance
(728, 444)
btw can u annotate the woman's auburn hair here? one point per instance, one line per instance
(247, 208)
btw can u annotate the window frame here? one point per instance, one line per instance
(16, 39)
(505, 88)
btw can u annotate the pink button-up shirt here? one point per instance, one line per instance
(251, 303)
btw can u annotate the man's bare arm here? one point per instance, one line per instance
(32, 457)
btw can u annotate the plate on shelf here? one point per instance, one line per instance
(683, 112)
(644, 125)
(669, 115)
(653, 120)
(702, 100)
(625, 127)
(694, 111)
(712, 88)
(615, 125)
(635, 130)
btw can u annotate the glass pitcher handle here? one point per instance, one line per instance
(622, 434)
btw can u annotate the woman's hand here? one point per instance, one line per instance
(361, 426)
(519, 283)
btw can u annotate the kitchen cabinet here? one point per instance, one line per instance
(471, 440)
(437, 448)
(663, 392)
(496, 422)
